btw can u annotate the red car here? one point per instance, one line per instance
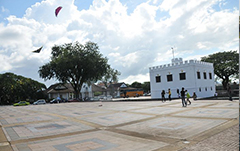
(74, 100)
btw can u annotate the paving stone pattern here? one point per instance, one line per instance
(123, 126)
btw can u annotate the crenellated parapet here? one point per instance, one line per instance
(177, 62)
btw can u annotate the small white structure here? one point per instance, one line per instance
(194, 76)
(88, 90)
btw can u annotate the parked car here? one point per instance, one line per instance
(108, 97)
(58, 101)
(74, 100)
(147, 94)
(54, 101)
(101, 97)
(41, 101)
(21, 103)
(87, 98)
(94, 99)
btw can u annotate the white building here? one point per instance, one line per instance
(194, 76)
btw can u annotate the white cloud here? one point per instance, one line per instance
(132, 41)
(138, 78)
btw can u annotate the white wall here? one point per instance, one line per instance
(192, 84)
(205, 83)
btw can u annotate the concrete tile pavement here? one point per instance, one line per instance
(128, 126)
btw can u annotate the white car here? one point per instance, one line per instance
(41, 101)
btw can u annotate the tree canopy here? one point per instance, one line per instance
(14, 88)
(136, 85)
(145, 86)
(75, 63)
(226, 65)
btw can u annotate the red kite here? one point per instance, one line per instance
(57, 10)
(38, 50)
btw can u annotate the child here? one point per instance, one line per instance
(188, 96)
(194, 96)
(169, 95)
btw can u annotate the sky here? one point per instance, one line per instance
(133, 34)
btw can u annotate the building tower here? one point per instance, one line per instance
(194, 76)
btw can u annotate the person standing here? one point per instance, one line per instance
(230, 93)
(184, 104)
(124, 92)
(163, 96)
(169, 95)
(178, 93)
(215, 95)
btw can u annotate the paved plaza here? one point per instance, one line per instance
(205, 125)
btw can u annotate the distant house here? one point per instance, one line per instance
(116, 88)
(66, 91)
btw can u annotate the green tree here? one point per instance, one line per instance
(111, 76)
(136, 85)
(15, 88)
(226, 65)
(146, 87)
(75, 63)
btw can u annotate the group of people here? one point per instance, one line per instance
(183, 93)
(169, 95)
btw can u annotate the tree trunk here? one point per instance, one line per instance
(77, 90)
(225, 83)
(77, 94)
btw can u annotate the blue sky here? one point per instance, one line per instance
(133, 34)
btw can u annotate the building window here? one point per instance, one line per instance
(204, 75)
(200, 90)
(158, 79)
(198, 75)
(211, 88)
(210, 75)
(169, 78)
(182, 76)
(206, 89)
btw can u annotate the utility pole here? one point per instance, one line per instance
(172, 52)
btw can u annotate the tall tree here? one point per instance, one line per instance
(226, 65)
(75, 63)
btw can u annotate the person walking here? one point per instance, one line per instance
(163, 96)
(169, 95)
(188, 98)
(184, 104)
